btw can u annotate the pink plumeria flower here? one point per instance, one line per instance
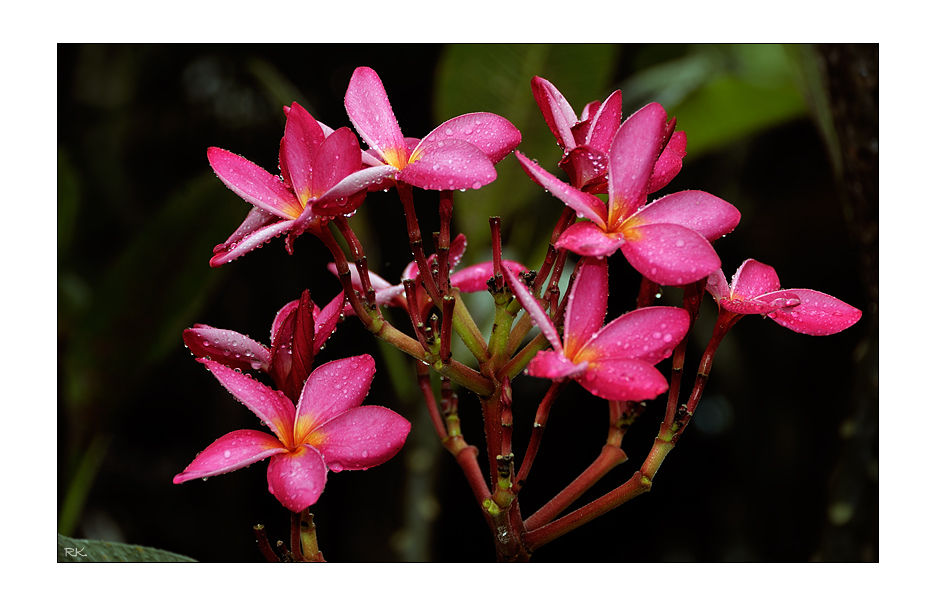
(327, 430)
(614, 361)
(668, 240)
(321, 178)
(470, 279)
(755, 289)
(586, 141)
(299, 332)
(459, 154)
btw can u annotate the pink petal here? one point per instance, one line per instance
(370, 112)
(299, 147)
(669, 255)
(281, 316)
(717, 286)
(587, 239)
(702, 212)
(232, 451)
(231, 348)
(448, 165)
(361, 438)
(335, 201)
(327, 321)
(495, 136)
(817, 314)
(338, 156)
(297, 478)
(587, 305)
(554, 365)
(752, 279)
(762, 305)
(558, 114)
(532, 307)
(256, 219)
(669, 163)
(456, 249)
(272, 407)
(251, 242)
(585, 204)
(649, 333)
(623, 380)
(475, 277)
(254, 184)
(333, 388)
(586, 167)
(605, 123)
(632, 155)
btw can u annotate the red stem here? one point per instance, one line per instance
(425, 384)
(415, 239)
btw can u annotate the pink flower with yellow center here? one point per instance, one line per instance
(613, 361)
(321, 178)
(668, 240)
(327, 430)
(459, 154)
(755, 289)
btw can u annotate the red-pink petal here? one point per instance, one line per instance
(585, 204)
(558, 114)
(649, 333)
(297, 478)
(554, 365)
(448, 165)
(605, 122)
(361, 438)
(817, 314)
(254, 184)
(335, 200)
(231, 348)
(272, 407)
(623, 380)
(752, 279)
(702, 212)
(232, 451)
(669, 163)
(338, 156)
(669, 255)
(632, 156)
(474, 278)
(717, 286)
(494, 135)
(587, 305)
(327, 321)
(256, 219)
(456, 249)
(532, 307)
(250, 242)
(332, 389)
(762, 305)
(300, 143)
(587, 239)
(370, 112)
(586, 167)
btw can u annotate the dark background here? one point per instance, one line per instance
(780, 462)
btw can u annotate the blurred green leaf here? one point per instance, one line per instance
(496, 78)
(720, 93)
(278, 87)
(150, 294)
(98, 551)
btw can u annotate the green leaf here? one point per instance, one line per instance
(496, 78)
(71, 550)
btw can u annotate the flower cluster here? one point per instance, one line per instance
(315, 411)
